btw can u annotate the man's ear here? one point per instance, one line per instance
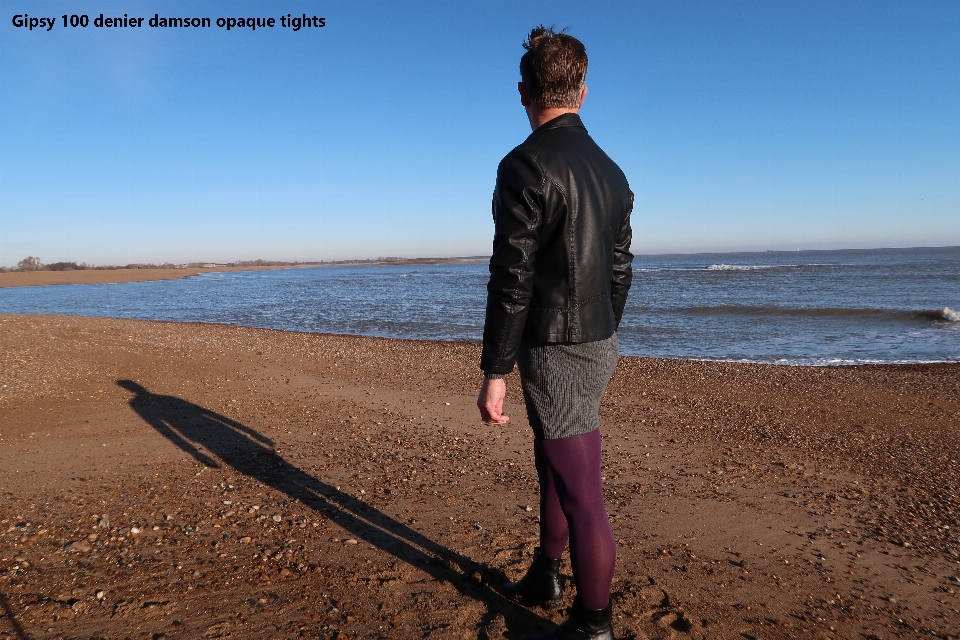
(524, 94)
(583, 96)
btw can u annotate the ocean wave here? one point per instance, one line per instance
(746, 267)
(822, 362)
(942, 315)
(760, 267)
(949, 314)
(737, 267)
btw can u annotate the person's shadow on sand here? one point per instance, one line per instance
(247, 451)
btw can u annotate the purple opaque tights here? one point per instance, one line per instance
(571, 506)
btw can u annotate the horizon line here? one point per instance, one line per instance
(395, 259)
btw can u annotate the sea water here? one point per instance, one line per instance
(803, 307)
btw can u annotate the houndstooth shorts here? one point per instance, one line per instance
(563, 384)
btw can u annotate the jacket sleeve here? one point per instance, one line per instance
(517, 216)
(622, 264)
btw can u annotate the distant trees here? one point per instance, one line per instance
(65, 266)
(30, 263)
(33, 263)
(259, 262)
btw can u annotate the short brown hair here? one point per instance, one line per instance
(554, 68)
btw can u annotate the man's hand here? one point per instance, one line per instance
(490, 401)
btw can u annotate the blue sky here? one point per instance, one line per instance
(741, 125)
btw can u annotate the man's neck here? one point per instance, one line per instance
(538, 117)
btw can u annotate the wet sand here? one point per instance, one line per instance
(186, 481)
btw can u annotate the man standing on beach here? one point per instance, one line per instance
(559, 276)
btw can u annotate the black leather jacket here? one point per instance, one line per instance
(561, 264)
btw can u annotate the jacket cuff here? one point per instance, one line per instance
(493, 376)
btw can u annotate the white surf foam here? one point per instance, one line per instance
(756, 267)
(744, 267)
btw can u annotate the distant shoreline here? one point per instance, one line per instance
(114, 276)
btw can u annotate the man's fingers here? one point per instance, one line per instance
(490, 413)
(490, 402)
(493, 414)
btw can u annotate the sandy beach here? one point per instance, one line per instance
(112, 276)
(109, 276)
(166, 480)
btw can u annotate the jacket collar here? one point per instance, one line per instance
(563, 120)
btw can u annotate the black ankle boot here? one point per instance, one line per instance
(583, 624)
(541, 584)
